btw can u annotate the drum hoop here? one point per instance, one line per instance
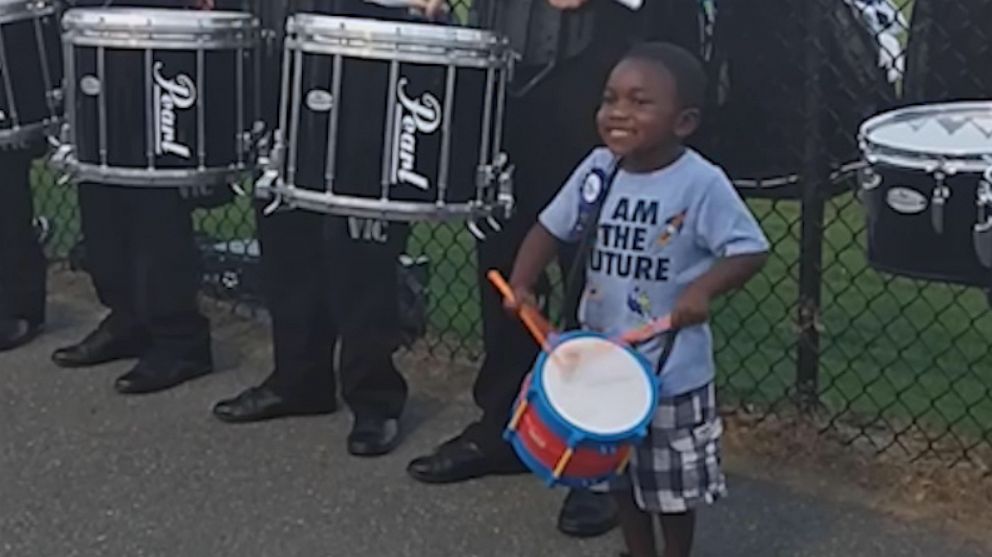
(642, 425)
(28, 9)
(156, 178)
(373, 208)
(163, 42)
(950, 161)
(393, 35)
(157, 22)
(361, 49)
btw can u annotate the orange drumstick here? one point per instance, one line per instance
(644, 332)
(535, 322)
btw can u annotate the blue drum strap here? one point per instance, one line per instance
(575, 282)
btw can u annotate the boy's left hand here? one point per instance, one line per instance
(692, 308)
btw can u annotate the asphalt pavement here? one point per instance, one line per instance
(87, 472)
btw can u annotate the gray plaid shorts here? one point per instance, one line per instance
(677, 466)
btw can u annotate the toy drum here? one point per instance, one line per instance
(582, 409)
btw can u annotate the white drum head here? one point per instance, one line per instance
(597, 386)
(956, 135)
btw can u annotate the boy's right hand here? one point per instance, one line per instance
(521, 297)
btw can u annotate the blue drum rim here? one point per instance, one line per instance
(578, 435)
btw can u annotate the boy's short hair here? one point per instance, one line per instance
(686, 69)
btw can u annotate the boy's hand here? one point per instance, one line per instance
(521, 297)
(432, 9)
(567, 4)
(692, 308)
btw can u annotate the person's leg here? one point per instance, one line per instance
(678, 530)
(295, 275)
(108, 258)
(365, 304)
(168, 275)
(637, 526)
(22, 262)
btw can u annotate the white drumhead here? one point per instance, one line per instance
(948, 130)
(597, 386)
(155, 19)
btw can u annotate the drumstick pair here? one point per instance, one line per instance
(540, 329)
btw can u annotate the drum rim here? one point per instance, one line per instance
(898, 155)
(537, 385)
(392, 32)
(156, 21)
(26, 8)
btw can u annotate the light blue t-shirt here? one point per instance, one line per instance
(658, 232)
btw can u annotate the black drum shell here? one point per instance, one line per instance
(903, 241)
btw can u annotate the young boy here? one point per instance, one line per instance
(672, 235)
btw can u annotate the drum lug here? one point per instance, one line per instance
(870, 179)
(941, 193)
(982, 234)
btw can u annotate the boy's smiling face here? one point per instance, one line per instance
(641, 117)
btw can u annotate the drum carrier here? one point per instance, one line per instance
(31, 69)
(390, 120)
(928, 191)
(159, 97)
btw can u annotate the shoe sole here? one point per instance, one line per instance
(587, 532)
(433, 480)
(274, 416)
(94, 363)
(160, 388)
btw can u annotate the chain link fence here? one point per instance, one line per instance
(897, 363)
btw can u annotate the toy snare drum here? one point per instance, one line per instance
(582, 409)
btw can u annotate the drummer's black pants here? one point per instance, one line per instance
(549, 131)
(145, 267)
(22, 263)
(329, 279)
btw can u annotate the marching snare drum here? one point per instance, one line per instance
(581, 410)
(928, 191)
(31, 69)
(400, 121)
(158, 97)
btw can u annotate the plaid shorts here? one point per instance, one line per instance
(677, 466)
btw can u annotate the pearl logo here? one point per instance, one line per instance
(413, 117)
(171, 96)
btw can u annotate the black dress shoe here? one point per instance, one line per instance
(15, 333)
(459, 460)
(158, 374)
(586, 514)
(373, 436)
(263, 403)
(100, 346)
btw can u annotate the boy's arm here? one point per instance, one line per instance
(729, 273)
(727, 229)
(538, 249)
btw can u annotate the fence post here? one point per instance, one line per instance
(814, 173)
